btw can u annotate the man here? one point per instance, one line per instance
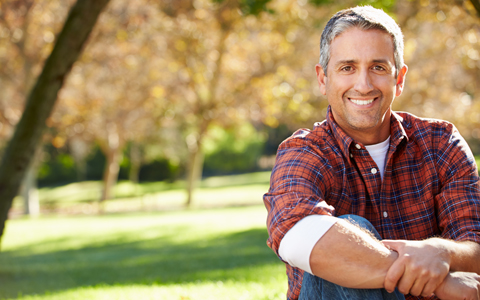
(415, 180)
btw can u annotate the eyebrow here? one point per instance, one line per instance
(347, 61)
(353, 61)
(382, 61)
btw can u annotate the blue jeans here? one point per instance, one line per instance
(316, 288)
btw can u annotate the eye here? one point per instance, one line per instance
(379, 68)
(346, 68)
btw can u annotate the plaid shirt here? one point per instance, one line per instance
(430, 185)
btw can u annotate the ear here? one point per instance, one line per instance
(401, 80)
(321, 78)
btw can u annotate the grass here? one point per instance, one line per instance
(194, 254)
(219, 191)
(191, 254)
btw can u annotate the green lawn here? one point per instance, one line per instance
(193, 254)
(220, 191)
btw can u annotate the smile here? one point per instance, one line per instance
(362, 102)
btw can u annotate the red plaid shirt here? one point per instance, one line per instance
(430, 185)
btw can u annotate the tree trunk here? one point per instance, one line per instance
(40, 102)
(113, 154)
(110, 175)
(79, 150)
(135, 162)
(194, 169)
(29, 184)
(30, 192)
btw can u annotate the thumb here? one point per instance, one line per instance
(392, 244)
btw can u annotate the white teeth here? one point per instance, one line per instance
(362, 102)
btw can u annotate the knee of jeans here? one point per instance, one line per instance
(359, 221)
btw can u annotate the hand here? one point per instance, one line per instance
(420, 268)
(459, 286)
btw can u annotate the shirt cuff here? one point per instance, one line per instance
(297, 244)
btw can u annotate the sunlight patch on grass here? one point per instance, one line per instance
(63, 233)
(195, 254)
(83, 197)
(224, 290)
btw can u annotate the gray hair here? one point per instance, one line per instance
(365, 18)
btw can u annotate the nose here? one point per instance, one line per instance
(363, 84)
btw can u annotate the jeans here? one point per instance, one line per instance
(316, 288)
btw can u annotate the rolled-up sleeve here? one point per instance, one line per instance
(298, 186)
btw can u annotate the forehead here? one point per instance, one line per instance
(362, 46)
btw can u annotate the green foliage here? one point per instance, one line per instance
(254, 7)
(275, 137)
(386, 5)
(251, 7)
(159, 170)
(57, 167)
(197, 254)
(233, 150)
(320, 2)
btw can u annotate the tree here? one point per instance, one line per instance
(113, 94)
(26, 37)
(226, 61)
(41, 100)
(442, 51)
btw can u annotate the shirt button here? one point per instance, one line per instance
(385, 214)
(358, 146)
(351, 155)
(373, 170)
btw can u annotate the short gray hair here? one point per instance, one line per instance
(365, 18)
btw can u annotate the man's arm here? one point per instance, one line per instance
(422, 266)
(465, 256)
(350, 257)
(459, 286)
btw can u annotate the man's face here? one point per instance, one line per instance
(360, 84)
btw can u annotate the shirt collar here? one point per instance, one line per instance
(397, 133)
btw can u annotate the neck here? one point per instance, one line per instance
(370, 136)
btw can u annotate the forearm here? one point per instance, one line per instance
(459, 285)
(350, 257)
(423, 266)
(465, 256)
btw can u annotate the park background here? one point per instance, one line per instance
(148, 180)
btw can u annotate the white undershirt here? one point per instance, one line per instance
(297, 244)
(378, 152)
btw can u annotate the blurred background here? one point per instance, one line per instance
(185, 89)
(183, 103)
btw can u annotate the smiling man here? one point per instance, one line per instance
(371, 203)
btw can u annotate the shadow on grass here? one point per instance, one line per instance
(236, 256)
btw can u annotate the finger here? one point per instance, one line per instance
(435, 279)
(429, 288)
(406, 283)
(418, 286)
(396, 271)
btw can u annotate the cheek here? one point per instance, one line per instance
(387, 83)
(337, 87)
